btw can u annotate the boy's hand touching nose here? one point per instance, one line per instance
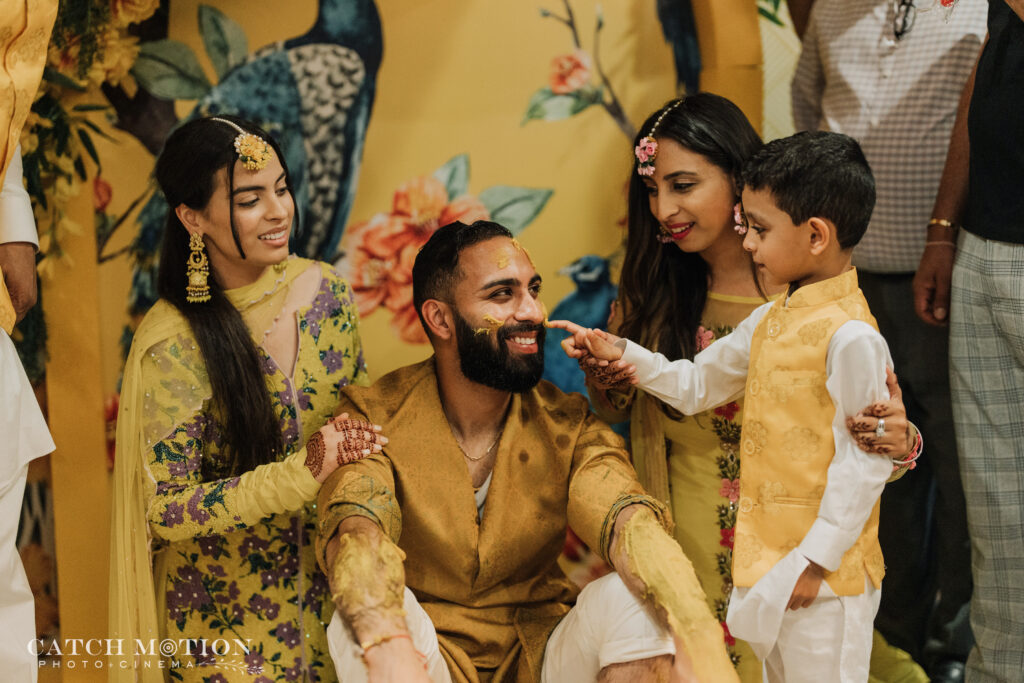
(583, 341)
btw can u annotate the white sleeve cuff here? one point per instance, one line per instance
(17, 223)
(826, 544)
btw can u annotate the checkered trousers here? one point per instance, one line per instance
(986, 343)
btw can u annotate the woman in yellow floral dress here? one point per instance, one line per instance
(226, 428)
(686, 281)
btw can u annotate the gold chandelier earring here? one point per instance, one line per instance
(198, 270)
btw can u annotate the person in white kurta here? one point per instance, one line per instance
(23, 437)
(834, 633)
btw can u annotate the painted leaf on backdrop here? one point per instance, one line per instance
(546, 105)
(223, 38)
(514, 207)
(169, 69)
(455, 176)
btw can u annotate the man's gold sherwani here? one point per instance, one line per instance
(493, 589)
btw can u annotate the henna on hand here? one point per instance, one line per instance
(350, 451)
(602, 376)
(315, 450)
(344, 425)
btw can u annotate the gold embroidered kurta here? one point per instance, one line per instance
(493, 589)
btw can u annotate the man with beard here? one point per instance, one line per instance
(485, 467)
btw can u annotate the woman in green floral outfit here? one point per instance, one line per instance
(226, 427)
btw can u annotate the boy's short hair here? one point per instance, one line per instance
(817, 174)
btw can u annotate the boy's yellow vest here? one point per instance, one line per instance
(787, 443)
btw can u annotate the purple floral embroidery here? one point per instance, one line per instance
(177, 469)
(189, 591)
(174, 515)
(210, 545)
(216, 570)
(254, 662)
(260, 604)
(291, 534)
(287, 634)
(197, 428)
(217, 678)
(292, 673)
(317, 592)
(169, 487)
(291, 431)
(332, 360)
(304, 401)
(289, 567)
(197, 513)
(251, 544)
(268, 577)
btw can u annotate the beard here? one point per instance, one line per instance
(491, 363)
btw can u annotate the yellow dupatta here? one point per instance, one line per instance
(163, 349)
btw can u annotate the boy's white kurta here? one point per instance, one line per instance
(856, 361)
(23, 436)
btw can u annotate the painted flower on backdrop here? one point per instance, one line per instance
(102, 193)
(381, 250)
(570, 72)
(570, 88)
(127, 12)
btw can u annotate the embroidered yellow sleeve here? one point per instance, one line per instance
(601, 483)
(181, 505)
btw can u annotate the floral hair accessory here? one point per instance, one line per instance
(253, 151)
(737, 217)
(647, 151)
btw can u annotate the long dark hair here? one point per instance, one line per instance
(185, 170)
(663, 289)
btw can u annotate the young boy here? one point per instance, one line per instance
(807, 566)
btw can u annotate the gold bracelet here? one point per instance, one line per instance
(940, 244)
(380, 640)
(941, 221)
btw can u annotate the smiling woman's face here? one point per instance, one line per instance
(690, 197)
(263, 213)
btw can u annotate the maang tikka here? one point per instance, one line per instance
(647, 149)
(198, 270)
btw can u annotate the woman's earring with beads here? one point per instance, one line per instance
(198, 271)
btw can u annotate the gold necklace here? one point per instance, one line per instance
(467, 456)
